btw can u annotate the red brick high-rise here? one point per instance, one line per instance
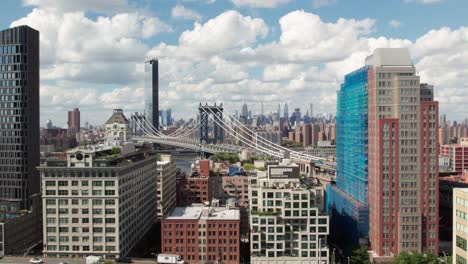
(74, 121)
(403, 156)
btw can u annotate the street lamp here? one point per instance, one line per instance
(155, 255)
(348, 260)
(333, 255)
(320, 250)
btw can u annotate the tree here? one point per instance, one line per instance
(360, 256)
(416, 258)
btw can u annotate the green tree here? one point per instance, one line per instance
(416, 258)
(360, 256)
(248, 166)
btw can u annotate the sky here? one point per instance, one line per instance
(92, 52)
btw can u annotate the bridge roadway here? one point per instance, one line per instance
(192, 144)
(195, 145)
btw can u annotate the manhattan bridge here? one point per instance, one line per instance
(215, 130)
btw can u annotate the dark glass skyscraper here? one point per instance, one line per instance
(19, 118)
(152, 92)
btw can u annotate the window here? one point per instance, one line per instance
(110, 220)
(74, 183)
(62, 183)
(97, 183)
(50, 183)
(461, 243)
(110, 183)
(110, 192)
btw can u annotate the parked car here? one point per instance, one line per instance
(123, 260)
(36, 261)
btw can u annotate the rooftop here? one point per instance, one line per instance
(204, 212)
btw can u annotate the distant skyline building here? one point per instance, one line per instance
(152, 92)
(311, 110)
(74, 122)
(286, 112)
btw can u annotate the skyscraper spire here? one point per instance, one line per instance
(262, 108)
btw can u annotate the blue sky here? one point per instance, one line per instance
(238, 49)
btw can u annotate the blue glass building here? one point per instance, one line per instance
(347, 201)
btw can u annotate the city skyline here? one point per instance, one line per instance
(266, 57)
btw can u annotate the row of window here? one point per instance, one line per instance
(76, 201)
(84, 220)
(83, 211)
(76, 183)
(77, 248)
(83, 192)
(53, 229)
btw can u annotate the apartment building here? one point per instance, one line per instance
(166, 192)
(202, 234)
(460, 225)
(457, 155)
(98, 201)
(286, 222)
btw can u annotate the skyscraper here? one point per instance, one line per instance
(347, 200)
(152, 92)
(74, 122)
(19, 116)
(311, 111)
(286, 113)
(403, 164)
(19, 140)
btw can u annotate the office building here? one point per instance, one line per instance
(286, 218)
(347, 200)
(460, 225)
(166, 193)
(99, 200)
(19, 136)
(202, 234)
(457, 154)
(403, 157)
(152, 92)
(74, 121)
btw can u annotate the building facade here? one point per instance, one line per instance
(166, 193)
(457, 155)
(403, 157)
(286, 221)
(460, 226)
(97, 202)
(202, 234)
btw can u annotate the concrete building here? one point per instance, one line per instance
(166, 194)
(236, 190)
(202, 234)
(98, 201)
(322, 151)
(286, 218)
(117, 129)
(19, 131)
(457, 155)
(460, 225)
(403, 157)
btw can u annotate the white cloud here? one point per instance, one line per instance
(394, 23)
(78, 48)
(321, 3)
(100, 6)
(424, 1)
(228, 30)
(260, 3)
(280, 72)
(181, 12)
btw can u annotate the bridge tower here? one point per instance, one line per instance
(204, 113)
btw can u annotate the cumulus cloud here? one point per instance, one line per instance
(259, 3)
(394, 23)
(320, 3)
(100, 6)
(181, 12)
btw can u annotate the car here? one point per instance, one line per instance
(123, 260)
(63, 262)
(36, 261)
